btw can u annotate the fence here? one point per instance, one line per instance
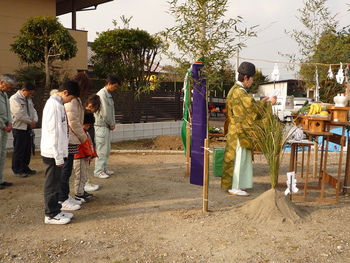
(156, 106)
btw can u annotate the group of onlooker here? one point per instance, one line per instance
(72, 135)
(17, 115)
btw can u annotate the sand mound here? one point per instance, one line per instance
(273, 206)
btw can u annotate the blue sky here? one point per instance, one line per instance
(272, 16)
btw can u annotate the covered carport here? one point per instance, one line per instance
(74, 6)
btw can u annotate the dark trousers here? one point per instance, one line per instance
(52, 187)
(66, 174)
(22, 150)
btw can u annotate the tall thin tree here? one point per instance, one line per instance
(202, 30)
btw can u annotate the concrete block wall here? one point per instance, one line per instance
(136, 131)
(127, 132)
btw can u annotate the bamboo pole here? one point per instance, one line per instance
(188, 147)
(205, 176)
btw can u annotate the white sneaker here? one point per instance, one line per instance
(66, 214)
(102, 175)
(70, 206)
(58, 219)
(74, 201)
(90, 187)
(109, 172)
(238, 192)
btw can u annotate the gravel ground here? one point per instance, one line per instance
(149, 212)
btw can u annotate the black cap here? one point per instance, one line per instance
(247, 68)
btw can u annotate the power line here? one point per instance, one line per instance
(292, 63)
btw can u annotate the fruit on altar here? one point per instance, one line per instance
(305, 108)
(315, 108)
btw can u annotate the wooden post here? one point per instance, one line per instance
(205, 176)
(347, 170)
(314, 168)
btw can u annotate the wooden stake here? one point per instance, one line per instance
(314, 168)
(346, 189)
(205, 176)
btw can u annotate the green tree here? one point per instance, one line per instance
(35, 73)
(44, 40)
(258, 78)
(202, 31)
(317, 19)
(129, 53)
(332, 48)
(32, 73)
(174, 73)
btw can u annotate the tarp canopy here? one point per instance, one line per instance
(332, 147)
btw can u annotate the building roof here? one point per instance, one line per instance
(280, 81)
(66, 6)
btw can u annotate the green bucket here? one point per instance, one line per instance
(218, 160)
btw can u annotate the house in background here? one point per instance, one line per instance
(291, 95)
(289, 87)
(13, 14)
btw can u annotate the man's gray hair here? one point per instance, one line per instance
(8, 79)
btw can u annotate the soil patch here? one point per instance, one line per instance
(160, 143)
